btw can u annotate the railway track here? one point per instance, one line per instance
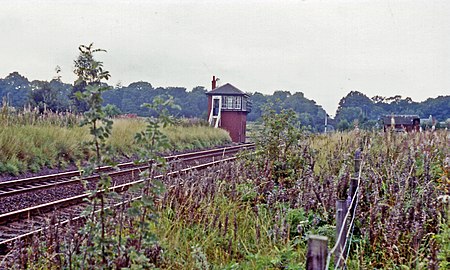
(13, 187)
(22, 223)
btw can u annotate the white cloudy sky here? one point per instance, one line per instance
(322, 48)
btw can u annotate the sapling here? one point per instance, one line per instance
(90, 75)
(151, 141)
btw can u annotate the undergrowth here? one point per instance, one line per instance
(248, 215)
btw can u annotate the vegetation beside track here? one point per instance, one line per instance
(256, 214)
(29, 142)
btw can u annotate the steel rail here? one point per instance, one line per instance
(29, 212)
(18, 186)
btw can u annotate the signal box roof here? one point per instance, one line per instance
(400, 119)
(228, 90)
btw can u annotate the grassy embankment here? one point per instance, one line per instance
(29, 142)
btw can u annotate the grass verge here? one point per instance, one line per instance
(32, 147)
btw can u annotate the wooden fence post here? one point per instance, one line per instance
(341, 211)
(316, 258)
(357, 162)
(352, 191)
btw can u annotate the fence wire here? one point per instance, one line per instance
(354, 202)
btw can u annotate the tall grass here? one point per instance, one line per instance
(36, 146)
(180, 136)
(29, 141)
(32, 116)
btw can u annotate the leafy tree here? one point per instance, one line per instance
(45, 96)
(16, 89)
(361, 105)
(438, 107)
(350, 114)
(378, 99)
(258, 100)
(281, 95)
(111, 110)
(197, 100)
(343, 125)
(277, 141)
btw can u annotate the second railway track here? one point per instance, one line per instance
(13, 187)
(15, 225)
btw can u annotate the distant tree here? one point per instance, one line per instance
(437, 107)
(378, 99)
(141, 86)
(357, 106)
(197, 101)
(63, 91)
(258, 100)
(15, 88)
(111, 110)
(355, 99)
(350, 114)
(343, 125)
(44, 97)
(306, 120)
(281, 95)
(395, 99)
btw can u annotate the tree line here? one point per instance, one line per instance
(354, 109)
(358, 108)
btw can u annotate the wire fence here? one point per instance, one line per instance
(340, 250)
(353, 205)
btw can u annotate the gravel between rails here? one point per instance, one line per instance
(29, 199)
(73, 167)
(36, 197)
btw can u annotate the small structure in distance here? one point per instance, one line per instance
(228, 108)
(401, 123)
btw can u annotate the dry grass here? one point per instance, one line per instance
(41, 144)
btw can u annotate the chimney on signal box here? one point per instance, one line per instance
(213, 83)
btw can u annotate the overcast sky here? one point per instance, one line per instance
(324, 49)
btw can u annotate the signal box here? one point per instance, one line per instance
(228, 108)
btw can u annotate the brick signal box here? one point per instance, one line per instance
(228, 108)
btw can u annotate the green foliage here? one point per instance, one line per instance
(15, 89)
(343, 125)
(111, 110)
(278, 138)
(90, 72)
(443, 236)
(357, 106)
(310, 114)
(18, 91)
(50, 96)
(152, 138)
(129, 99)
